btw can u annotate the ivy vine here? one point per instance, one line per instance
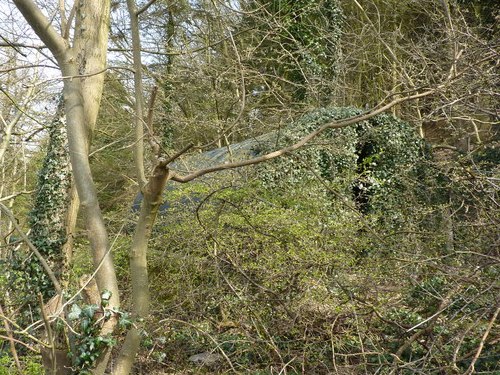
(47, 217)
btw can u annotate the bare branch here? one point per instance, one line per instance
(65, 32)
(17, 45)
(8, 197)
(284, 151)
(144, 8)
(83, 75)
(178, 154)
(12, 45)
(153, 142)
(62, 13)
(43, 28)
(14, 68)
(471, 368)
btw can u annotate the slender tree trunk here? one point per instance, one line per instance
(96, 230)
(139, 96)
(90, 47)
(153, 194)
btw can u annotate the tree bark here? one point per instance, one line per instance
(96, 231)
(139, 96)
(82, 66)
(90, 51)
(153, 194)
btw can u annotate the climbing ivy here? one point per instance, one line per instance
(87, 321)
(388, 155)
(47, 217)
(369, 158)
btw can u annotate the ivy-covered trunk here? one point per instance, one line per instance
(48, 224)
(48, 215)
(81, 57)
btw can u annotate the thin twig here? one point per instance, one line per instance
(177, 154)
(471, 368)
(20, 343)
(11, 341)
(144, 8)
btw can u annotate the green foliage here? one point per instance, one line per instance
(268, 247)
(46, 219)
(373, 159)
(363, 252)
(280, 268)
(5, 365)
(331, 156)
(302, 36)
(87, 321)
(30, 366)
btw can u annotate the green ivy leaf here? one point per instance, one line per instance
(89, 311)
(75, 312)
(105, 296)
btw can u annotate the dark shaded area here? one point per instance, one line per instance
(361, 186)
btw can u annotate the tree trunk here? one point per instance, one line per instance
(82, 66)
(153, 194)
(96, 230)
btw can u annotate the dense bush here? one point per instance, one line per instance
(285, 269)
(282, 268)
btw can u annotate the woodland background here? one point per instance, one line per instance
(370, 249)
